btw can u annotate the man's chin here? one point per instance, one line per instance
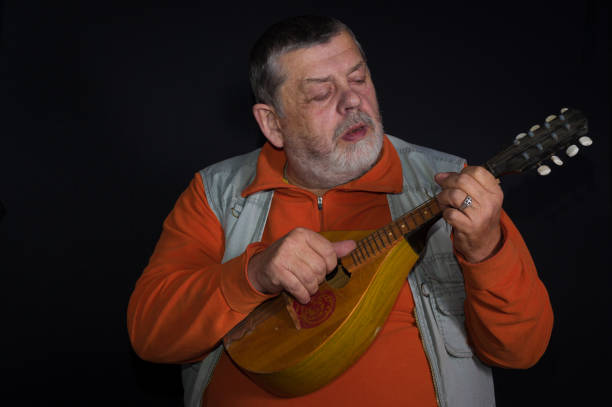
(358, 157)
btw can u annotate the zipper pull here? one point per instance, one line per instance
(320, 202)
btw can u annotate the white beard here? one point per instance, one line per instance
(345, 162)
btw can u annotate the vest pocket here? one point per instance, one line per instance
(448, 311)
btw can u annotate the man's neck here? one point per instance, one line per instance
(293, 181)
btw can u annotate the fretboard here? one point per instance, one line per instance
(386, 237)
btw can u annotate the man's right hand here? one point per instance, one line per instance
(296, 263)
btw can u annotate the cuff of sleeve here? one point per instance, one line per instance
(239, 294)
(493, 271)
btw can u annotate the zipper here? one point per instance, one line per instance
(320, 210)
(434, 377)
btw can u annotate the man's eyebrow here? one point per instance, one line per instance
(356, 67)
(317, 80)
(329, 78)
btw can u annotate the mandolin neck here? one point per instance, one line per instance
(386, 237)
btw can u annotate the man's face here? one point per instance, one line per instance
(331, 127)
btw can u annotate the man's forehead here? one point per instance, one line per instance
(339, 55)
(318, 79)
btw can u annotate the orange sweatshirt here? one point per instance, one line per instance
(185, 301)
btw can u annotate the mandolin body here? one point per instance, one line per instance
(291, 349)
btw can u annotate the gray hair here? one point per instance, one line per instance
(285, 36)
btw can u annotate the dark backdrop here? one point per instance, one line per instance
(108, 110)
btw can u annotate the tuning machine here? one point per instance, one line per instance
(555, 159)
(544, 170)
(519, 137)
(572, 150)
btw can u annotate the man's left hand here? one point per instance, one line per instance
(476, 227)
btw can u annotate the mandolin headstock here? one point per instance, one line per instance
(559, 133)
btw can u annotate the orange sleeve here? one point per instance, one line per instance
(507, 310)
(186, 300)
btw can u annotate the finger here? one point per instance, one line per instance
(323, 248)
(455, 198)
(489, 196)
(344, 247)
(467, 205)
(294, 286)
(464, 182)
(483, 177)
(311, 271)
(309, 247)
(441, 176)
(459, 220)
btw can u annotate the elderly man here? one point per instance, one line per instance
(245, 230)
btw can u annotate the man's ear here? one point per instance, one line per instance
(268, 123)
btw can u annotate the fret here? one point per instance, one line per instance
(395, 227)
(410, 222)
(435, 208)
(386, 235)
(370, 244)
(403, 228)
(375, 243)
(418, 212)
(361, 252)
(425, 212)
(364, 247)
(391, 233)
(416, 222)
(382, 241)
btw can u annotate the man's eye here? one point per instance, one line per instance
(321, 97)
(360, 80)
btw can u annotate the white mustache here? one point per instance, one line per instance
(355, 118)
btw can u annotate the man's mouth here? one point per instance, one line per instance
(355, 133)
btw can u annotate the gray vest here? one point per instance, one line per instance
(460, 379)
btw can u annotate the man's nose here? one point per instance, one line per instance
(349, 101)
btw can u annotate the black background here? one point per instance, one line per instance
(108, 110)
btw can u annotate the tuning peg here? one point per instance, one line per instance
(572, 150)
(556, 160)
(565, 109)
(519, 137)
(548, 120)
(544, 170)
(585, 141)
(532, 129)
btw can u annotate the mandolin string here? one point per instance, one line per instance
(371, 245)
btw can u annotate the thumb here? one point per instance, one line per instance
(344, 247)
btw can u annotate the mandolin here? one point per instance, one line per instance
(291, 349)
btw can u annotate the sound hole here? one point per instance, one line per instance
(338, 277)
